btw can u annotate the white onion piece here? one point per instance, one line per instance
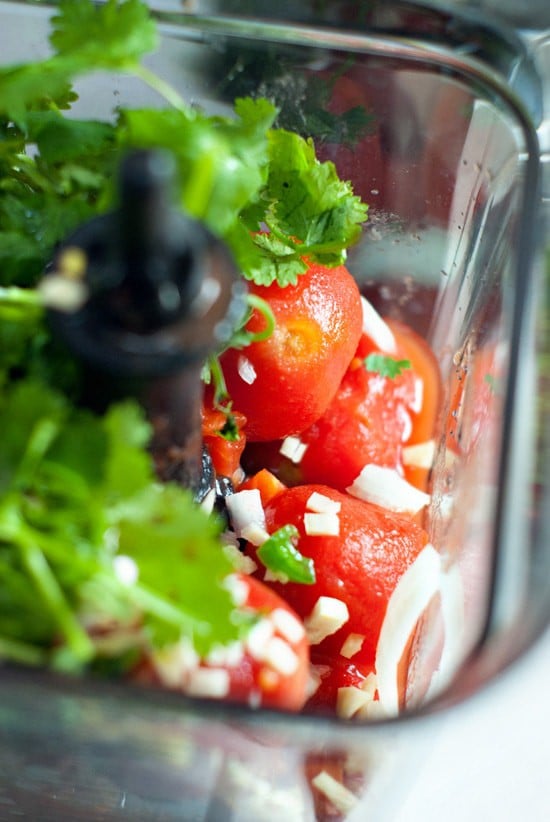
(321, 504)
(452, 612)
(387, 488)
(246, 370)
(420, 455)
(245, 508)
(409, 599)
(375, 328)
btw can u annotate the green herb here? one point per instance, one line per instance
(77, 491)
(386, 366)
(280, 555)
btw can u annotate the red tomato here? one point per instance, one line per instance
(361, 566)
(299, 367)
(271, 673)
(225, 453)
(369, 420)
(332, 673)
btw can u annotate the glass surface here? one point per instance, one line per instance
(450, 170)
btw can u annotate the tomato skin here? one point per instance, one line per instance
(299, 367)
(225, 454)
(334, 672)
(369, 420)
(361, 566)
(252, 680)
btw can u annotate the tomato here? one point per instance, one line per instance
(369, 420)
(333, 672)
(225, 453)
(297, 369)
(361, 566)
(269, 668)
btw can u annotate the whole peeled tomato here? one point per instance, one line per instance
(360, 566)
(284, 383)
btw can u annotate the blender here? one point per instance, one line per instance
(451, 156)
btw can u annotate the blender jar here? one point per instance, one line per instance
(448, 157)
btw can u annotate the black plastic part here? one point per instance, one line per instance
(162, 295)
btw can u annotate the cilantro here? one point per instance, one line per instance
(386, 366)
(77, 490)
(280, 555)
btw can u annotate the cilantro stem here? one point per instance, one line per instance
(263, 307)
(162, 88)
(22, 652)
(48, 587)
(163, 610)
(42, 436)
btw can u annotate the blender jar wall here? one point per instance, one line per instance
(445, 163)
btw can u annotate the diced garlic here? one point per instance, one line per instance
(321, 504)
(321, 525)
(208, 682)
(352, 644)
(288, 625)
(327, 617)
(385, 487)
(293, 449)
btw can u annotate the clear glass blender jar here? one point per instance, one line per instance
(454, 246)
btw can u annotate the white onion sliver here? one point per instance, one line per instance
(245, 508)
(452, 612)
(409, 599)
(387, 488)
(375, 328)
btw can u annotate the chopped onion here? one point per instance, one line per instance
(452, 612)
(321, 504)
(387, 488)
(349, 700)
(208, 682)
(337, 793)
(321, 525)
(246, 370)
(289, 626)
(411, 596)
(245, 508)
(327, 617)
(126, 569)
(420, 455)
(375, 328)
(293, 449)
(351, 645)
(279, 655)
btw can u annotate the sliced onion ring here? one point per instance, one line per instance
(411, 596)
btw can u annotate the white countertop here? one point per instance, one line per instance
(490, 761)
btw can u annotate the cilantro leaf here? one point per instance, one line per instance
(111, 35)
(386, 366)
